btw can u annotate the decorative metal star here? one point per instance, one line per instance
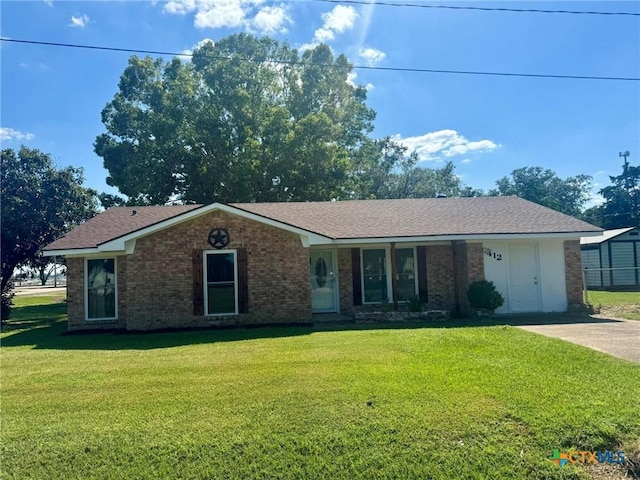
(218, 238)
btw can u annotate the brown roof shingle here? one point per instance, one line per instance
(420, 217)
(116, 222)
(354, 219)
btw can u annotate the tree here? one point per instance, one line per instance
(45, 266)
(386, 171)
(39, 203)
(108, 200)
(545, 188)
(621, 207)
(248, 119)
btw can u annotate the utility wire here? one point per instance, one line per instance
(359, 67)
(485, 9)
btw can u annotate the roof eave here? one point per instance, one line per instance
(125, 243)
(467, 237)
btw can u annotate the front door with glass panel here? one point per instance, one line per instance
(323, 281)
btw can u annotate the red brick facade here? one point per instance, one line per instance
(573, 273)
(155, 283)
(440, 276)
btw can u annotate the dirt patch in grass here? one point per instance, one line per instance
(627, 312)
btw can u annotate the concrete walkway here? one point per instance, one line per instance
(620, 338)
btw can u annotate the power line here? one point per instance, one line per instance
(485, 9)
(359, 67)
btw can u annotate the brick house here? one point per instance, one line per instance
(144, 268)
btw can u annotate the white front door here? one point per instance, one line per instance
(524, 288)
(323, 281)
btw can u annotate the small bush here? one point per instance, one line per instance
(6, 302)
(415, 303)
(483, 295)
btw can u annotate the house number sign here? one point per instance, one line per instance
(218, 238)
(490, 253)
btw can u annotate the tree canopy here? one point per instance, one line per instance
(544, 187)
(39, 203)
(248, 119)
(621, 207)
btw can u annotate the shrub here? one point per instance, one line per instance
(483, 295)
(6, 302)
(415, 303)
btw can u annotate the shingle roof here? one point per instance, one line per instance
(355, 219)
(420, 217)
(114, 223)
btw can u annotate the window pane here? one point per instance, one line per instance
(101, 288)
(221, 298)
(221, 287)
(374, 274)
(220, 268)
(405, 266)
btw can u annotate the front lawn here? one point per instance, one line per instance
(615, 304)
(476, 402)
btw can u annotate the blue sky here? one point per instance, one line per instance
(52, 97)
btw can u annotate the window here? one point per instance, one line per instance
(406, 268)
(101, 295)
(374, 269)
(377, 285)
(221, 283)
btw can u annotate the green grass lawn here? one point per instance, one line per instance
(476, 402)
(618, 304)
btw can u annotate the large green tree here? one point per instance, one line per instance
(385, 169)
(39, 203)
(621, 207)
(247, 119)
(544, 187)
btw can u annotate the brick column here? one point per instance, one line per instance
(573, 273)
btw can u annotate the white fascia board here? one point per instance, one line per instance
(120, 244)
(83, 252)
(469, 238)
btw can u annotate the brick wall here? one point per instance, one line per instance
(440, 284)
(155, 283)
(75, 297)
(440, 278)
(573, 272)
(470, 268)
(345, 275)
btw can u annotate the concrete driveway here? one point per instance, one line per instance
(620, 338)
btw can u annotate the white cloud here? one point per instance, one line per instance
(179, 7)
(435, 146)
(249, 15)
(12, 134)
(351, 80)
(49, 2)
(338, 20)
(39, 66)
(371, 55)
(594, 200)
(189, 51)
(223, 13)
(270, 20)
(79, 22)
(465, 160)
